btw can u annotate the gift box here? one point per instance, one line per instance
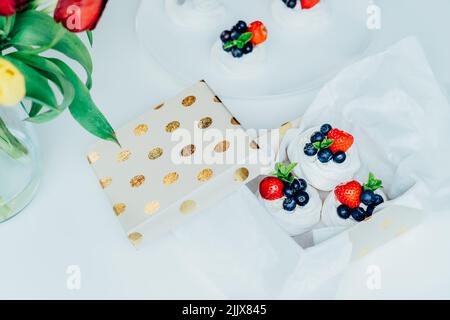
(175, 160)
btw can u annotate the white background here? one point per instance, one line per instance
(70, 221)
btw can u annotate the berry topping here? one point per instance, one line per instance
(241, 27)
(310, 150)
(271, 188)
(325, 155)
(367, 197)
(344, 211)
(349, 194)
(358, 214)
(339, 157)
(317, 137)
(248, 48)
(225, 36)
(308, 4)
(288, 190)
(290, 3)
(289, 204)
(227, 48)
(303, 184)
(325, 129)
(342, 141)
(369, 211)
(301, 198)
(236, 52)
(235, 34)
(377, 200)
(259, 32)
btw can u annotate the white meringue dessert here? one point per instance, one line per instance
(308, 21)
(329, 211)
(299, 221)
(195, 13)
(322, 176)
(248, 65)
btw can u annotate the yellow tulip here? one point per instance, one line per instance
(12, 84)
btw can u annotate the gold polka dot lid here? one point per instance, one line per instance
(158, 177)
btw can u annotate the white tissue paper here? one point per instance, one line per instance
(393, 106)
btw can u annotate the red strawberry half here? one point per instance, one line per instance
(349, 194)
(308, 4)
(271, 188)
(342, 141)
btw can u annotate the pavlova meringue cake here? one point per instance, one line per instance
(326, 156)
(240, 52)
(352, 202)
(293, 204)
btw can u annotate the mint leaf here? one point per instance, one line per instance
(229, 44)
(326, 143)
(240, 44)
(245, 37)
(317, 145)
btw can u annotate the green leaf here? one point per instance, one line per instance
(35, 109)
(373, 183)
(317, 145)
(34, 28)
(229, 44)
(240, 44)
(90, 37)
(37, 87)
(326, 143)
(245, 37)
(45, 116)
(6, 24)
(84, 110)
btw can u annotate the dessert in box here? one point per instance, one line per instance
(175, 160)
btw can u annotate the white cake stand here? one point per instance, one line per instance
(303, 50)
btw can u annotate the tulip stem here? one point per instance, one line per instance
(10, 144)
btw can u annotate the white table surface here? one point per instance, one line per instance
(70, 221)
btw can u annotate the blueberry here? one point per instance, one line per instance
(236, 52)
(377, 200)
(303, 184)
(325, 155)
(317, 137)
(369, 211)
(339, 157)
(367, 197)
(241, 27)
(310, 150)
(325, 128)
(344, 211)
(289, 204)
(234, 34)
(248, 48)
(358, 214)
(291, 3)
(295, 185)
(225, 36)
(288, 191)
(301, 198)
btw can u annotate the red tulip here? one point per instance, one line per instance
(79, 15)
(9, 7)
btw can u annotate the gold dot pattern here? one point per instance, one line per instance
(159, 106)
(235, 122)
(123, 156)
(205, 123)
(217, 99)
(137, 181)
(140, 130)
(119, 208)
(172, 126)
(135, 238)
(241, 174)
(205, 175)
(93, 157)
(188, 101)
(254, 145)
(152, 207)
(155, 153)
(188, 206)
(105, 182)
(188, 150)
(171, 178)
(222, 146)
(285, 127)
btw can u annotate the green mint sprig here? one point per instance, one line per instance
(326, 143)
(373, 183)
(283, 172)
(239, 42)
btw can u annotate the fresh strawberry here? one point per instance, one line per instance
(349, 194)
(308, 4)
(259, 32)
(342, 141)
(271, 188)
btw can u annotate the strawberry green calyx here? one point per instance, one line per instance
(240, 42)
(283, 172)
(326, 143)
(373, 183)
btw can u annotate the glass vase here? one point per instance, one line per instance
(20, 165)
